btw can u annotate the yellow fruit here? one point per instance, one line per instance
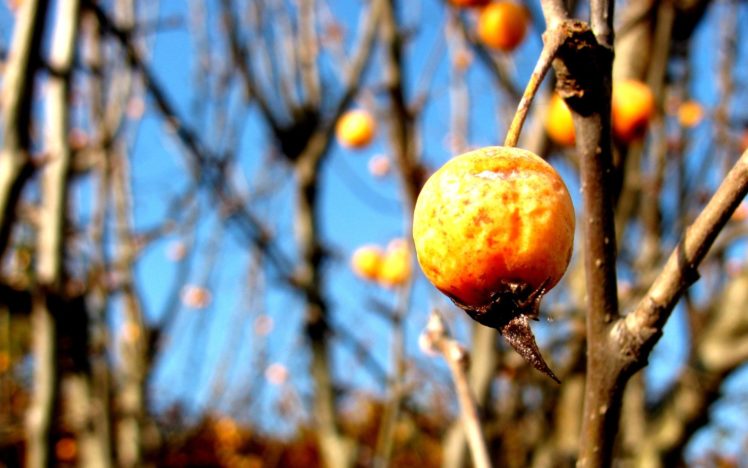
(558, 122)
(355, 129)
(690, 114)
(502, 25)
(396, 267)
(492, 218)
(632, 108)
(366, 261)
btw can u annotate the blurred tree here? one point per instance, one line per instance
(255, 343)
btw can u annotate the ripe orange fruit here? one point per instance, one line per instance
(632, 107)
(493, 218)
(558, 122)
(66, 449)
(469, 3)
(396, 267)
(502, 25)
(690, 114)
(366, 261)
(355, 129)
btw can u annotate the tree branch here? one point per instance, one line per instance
(641, 329)
(584, 80)
(16, 99)
(436, 337)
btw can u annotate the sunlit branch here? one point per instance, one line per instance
(437, 337)
(640, 330)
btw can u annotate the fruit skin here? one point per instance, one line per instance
(632, 107)
(493, 218)
(469, 3)
(355, 129)
(558, 122)
(366, 261)
(502, 25)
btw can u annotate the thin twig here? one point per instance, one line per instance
(436, 337)
(553, 39)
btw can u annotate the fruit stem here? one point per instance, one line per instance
(518, 333)
(552, 41)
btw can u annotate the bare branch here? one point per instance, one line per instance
(50, 238)
(554, 12)
(553, 39)
(436, 336)
(640, 330)
(584, 79)
(239, 55)
(207, 167)
(601, 21)
(16, 99)
(308, 51)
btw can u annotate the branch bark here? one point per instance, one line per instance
(436, 337)
(48, 303)
(16, 101)
(641, 329)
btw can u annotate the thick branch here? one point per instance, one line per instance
(17, 96)
(50, 239)
(584, 79)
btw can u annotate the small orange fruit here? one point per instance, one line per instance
(632, 108)
(4, 361)
(355, 129)
(196, 297)
(469, 3)
(558, 121)
(493, 217)
(396, 268)
(462, 59)
(741, 213)
(276, 374)
(690, 114)
(379, 165)
(227, 433)
(502, 25)
(366, 261)
(66, 449)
